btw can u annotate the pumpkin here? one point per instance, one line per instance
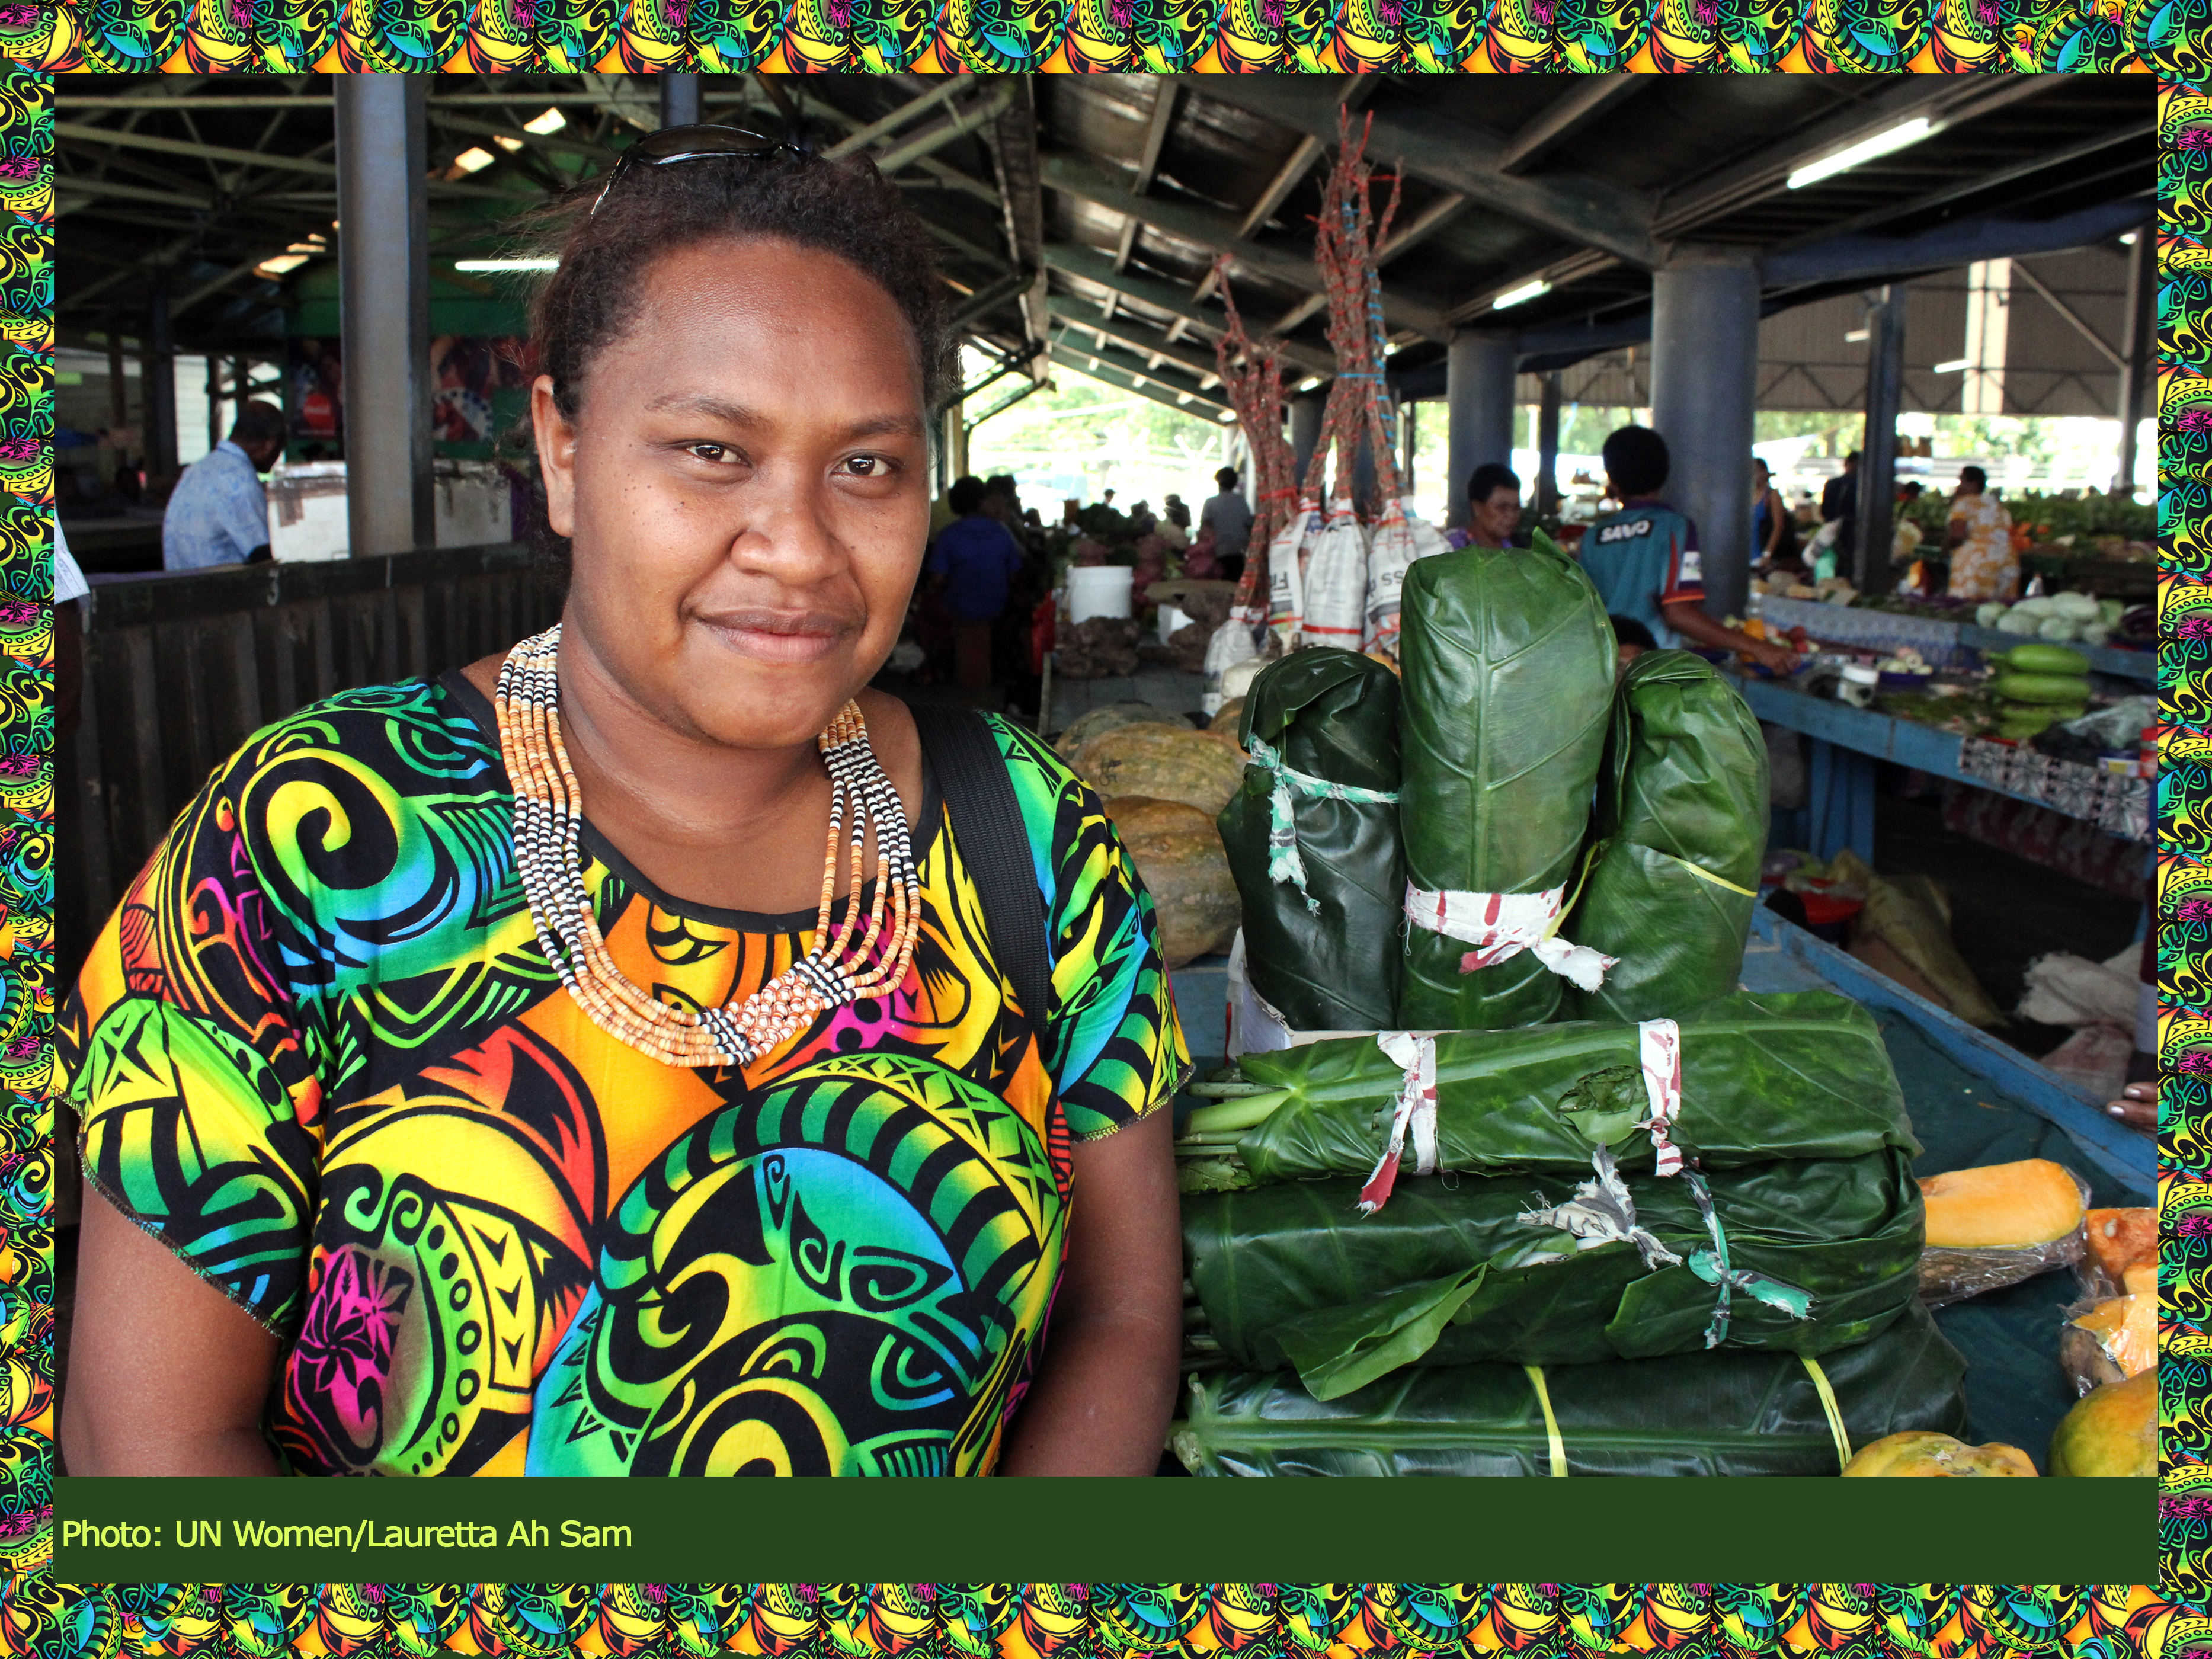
(1231, 715)
(1111, 717)
(1164, 763)
(1178, 855)
(2111, 1431)
(1922, 1453)
(2033, 1201)
(2120, 1239)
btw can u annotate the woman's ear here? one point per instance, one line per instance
(556, 456)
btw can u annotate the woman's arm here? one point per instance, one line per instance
(1778, 517)
(1106, 1386)
(167, 1375)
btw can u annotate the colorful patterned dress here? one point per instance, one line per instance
(319, 1054)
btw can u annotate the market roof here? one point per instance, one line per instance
(1083, 214)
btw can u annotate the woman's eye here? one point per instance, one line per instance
(709, 451)
(864, 466)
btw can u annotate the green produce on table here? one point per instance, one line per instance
(1312, 839)
(2057, 689)
(1823, 1253)
(2035, 658)
(1730, 1413)
(1509, 666)
(1801, 1074)
(1680, 829)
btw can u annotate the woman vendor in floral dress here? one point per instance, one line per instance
(1980, 541)
(598, 1060)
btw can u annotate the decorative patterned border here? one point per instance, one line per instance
(39, 1617)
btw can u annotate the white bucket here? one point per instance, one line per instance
(1098, 590)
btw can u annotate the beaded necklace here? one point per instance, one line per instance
(843, 966)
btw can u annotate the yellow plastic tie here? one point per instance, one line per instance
(1552, 1423)
(1717, 881)
(1828, 1404)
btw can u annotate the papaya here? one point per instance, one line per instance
(2033, 1201)
(1922, 1453)
(2111, 1431)
(2118, 1239)
(2126, 1328)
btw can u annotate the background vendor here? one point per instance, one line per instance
(1644, 558)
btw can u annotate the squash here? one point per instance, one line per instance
(1232, 716)
(1922, 1453)
(1111, 717)
(2033, 1201)
(2111, 1431)
(1164, 763)
(1178, 855)
(2120, 1239)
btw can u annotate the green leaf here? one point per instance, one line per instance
(1606, 1106)
(1337, 1350)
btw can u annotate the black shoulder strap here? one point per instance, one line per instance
(995, 847)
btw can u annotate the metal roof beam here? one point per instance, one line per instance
(1280, 186)
(1422, 226)
(1871, 258)
(2081, 324)
(558, 143)
(1211, 228)
(1459, 159)
(1075, 315)
(1156, 133)
(934, 137)
(1086, 264)
(1566, 116)
(1768, 169)
(116, 137)
(861, 138)
(1098, 365)
(1012, 139)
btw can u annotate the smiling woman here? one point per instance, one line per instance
(495, 1074)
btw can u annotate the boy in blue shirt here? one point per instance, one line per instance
(1643, 559)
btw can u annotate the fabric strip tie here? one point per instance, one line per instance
(1500, 926)
(1714, 1268)
(1558, 1447)
(1828, 1405)
(1283, 863)
(1659, 1046)
(1416, 1111)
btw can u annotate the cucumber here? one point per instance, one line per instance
(2036, 658)
(2058, 689)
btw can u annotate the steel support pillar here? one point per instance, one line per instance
(1305, 436)
(1704, 384)
(157, 382)
(1545, 493)
(2139, 375)
(679, 101)
(1406, 444)
(384, 311)
(1871, 569)
(1478, 381)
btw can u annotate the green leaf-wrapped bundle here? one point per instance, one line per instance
(1710, 1413)
(1333, 716)
(1799, 1074)
(1680, 828)
(1509, 672)
(1290, 1277)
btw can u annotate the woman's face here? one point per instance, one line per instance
(1497, 516)
(745, 487)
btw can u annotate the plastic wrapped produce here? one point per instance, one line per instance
(1286, 564)
(1730, 1413)
(1402, 537)
(1680, 829)
(1508, 664)
(1312, 837)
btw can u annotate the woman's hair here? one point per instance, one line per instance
(1490, 477)
(844, 207)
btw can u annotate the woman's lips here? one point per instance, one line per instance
(780, 636)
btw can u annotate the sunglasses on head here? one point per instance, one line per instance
(693, 143)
